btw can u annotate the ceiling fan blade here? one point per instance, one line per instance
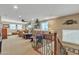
(24, 20)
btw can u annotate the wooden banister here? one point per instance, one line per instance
(55, 43)
(58, 45)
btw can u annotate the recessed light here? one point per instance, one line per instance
(19, 16)
(32, 19)
(15, 7)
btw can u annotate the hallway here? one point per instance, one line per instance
(15, 45)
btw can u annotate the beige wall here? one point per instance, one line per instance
(57, 24)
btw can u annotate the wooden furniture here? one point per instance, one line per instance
(27, 36)
(21, 32)
(14, 33)
(4, 33)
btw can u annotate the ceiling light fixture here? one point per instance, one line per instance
(15, 7)
(19, 16)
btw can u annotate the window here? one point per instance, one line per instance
(71, 36)
(29, 26)
(12, 26)
(19, 27)
(44, 26)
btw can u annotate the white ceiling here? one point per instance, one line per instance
(30, 11)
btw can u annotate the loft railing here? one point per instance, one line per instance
(58, 47)
(46, 48)
(51, 45)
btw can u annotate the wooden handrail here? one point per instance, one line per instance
(58, 45)
(55, 44)
(60, 42)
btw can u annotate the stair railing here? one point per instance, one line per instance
(58, 47)
(51, 45)
(46, 47)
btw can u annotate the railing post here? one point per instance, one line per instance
(78, 52)
(55, 44)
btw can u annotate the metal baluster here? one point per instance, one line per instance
(42, 49)
(45, 47)
(78, 52)
(51, 49)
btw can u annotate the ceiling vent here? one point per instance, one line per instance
(70, 22)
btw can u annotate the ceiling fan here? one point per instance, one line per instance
(27, 22)
(24, 20)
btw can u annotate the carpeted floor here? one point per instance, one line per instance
(15, 45)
